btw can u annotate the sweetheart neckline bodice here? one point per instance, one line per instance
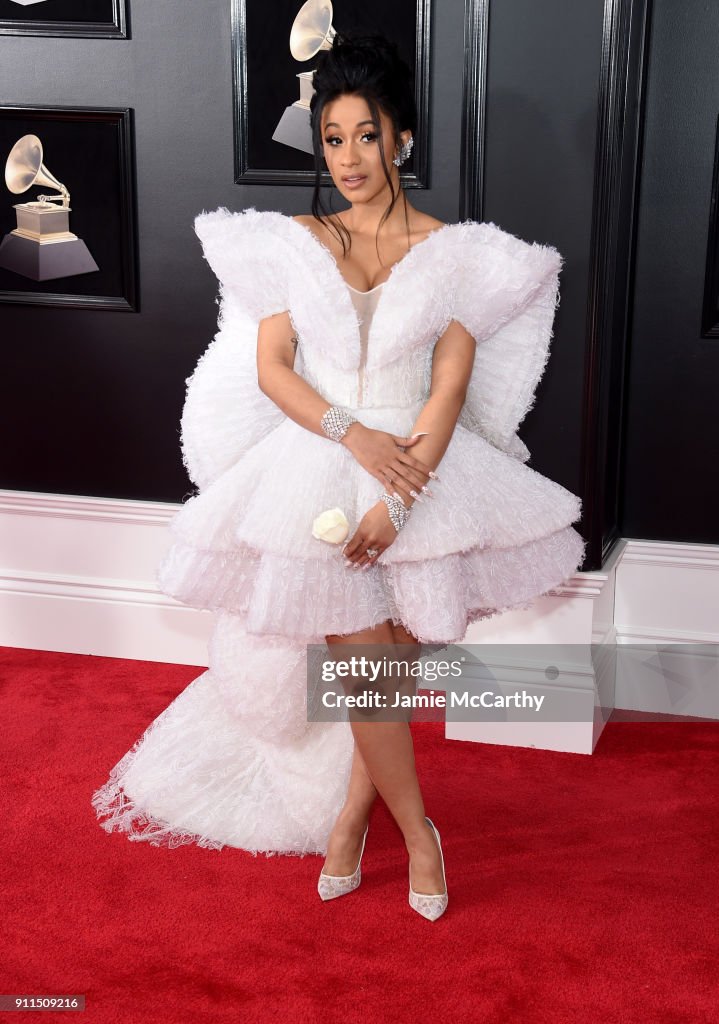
(368, 292)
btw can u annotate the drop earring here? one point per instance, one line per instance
(404, 152)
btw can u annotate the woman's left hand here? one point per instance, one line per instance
(375, 531)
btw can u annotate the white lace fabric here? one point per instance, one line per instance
(233, 761)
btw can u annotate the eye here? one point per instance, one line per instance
(372, 136)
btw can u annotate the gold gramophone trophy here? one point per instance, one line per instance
(311, 32)
(41, 247)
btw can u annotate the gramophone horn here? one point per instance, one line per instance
(24, 167)
(312, 29)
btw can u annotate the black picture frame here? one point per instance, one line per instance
(710, 303)
(260, 98)
(474, 110)
(91, 152)
(75, 19)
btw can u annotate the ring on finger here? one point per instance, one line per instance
(372, 552)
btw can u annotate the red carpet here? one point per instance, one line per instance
(582, 888)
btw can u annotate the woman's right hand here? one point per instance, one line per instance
(380, 453)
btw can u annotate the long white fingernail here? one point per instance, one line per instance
(422, 433)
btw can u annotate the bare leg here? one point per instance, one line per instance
(345, 840)
(387, 755)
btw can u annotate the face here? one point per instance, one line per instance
(350, 142)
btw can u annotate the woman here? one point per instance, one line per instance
(388, 346)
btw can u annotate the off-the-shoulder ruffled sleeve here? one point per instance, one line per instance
(249, 254)
(225, 412)
(506, 294)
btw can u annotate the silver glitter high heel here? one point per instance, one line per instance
(331, 886)
(430, 906)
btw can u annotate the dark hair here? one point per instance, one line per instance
(369, 66)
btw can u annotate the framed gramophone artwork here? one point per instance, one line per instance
(67, 207)
(273, 62)
(104, 19)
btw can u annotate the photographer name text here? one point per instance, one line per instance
(433, 699)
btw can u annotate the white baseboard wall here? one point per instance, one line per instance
(77, 574)
(667, 599)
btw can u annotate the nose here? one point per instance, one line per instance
(349, 155)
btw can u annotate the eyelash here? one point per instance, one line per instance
(372, 134)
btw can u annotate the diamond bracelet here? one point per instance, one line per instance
(336, 422)
(398, 511)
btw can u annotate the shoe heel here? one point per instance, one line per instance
(431, 906)
(331, 886)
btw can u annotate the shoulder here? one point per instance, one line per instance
(425, 223)
(308, 220)
(304, 218)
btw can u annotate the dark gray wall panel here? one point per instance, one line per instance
(671, 488)
(541, 124)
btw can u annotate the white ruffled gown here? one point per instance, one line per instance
(233, 760)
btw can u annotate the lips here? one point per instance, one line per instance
(354, 179)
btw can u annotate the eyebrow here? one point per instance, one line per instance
(333, 124)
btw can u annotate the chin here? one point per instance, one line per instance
(353, 196)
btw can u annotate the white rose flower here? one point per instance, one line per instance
(331, 526)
